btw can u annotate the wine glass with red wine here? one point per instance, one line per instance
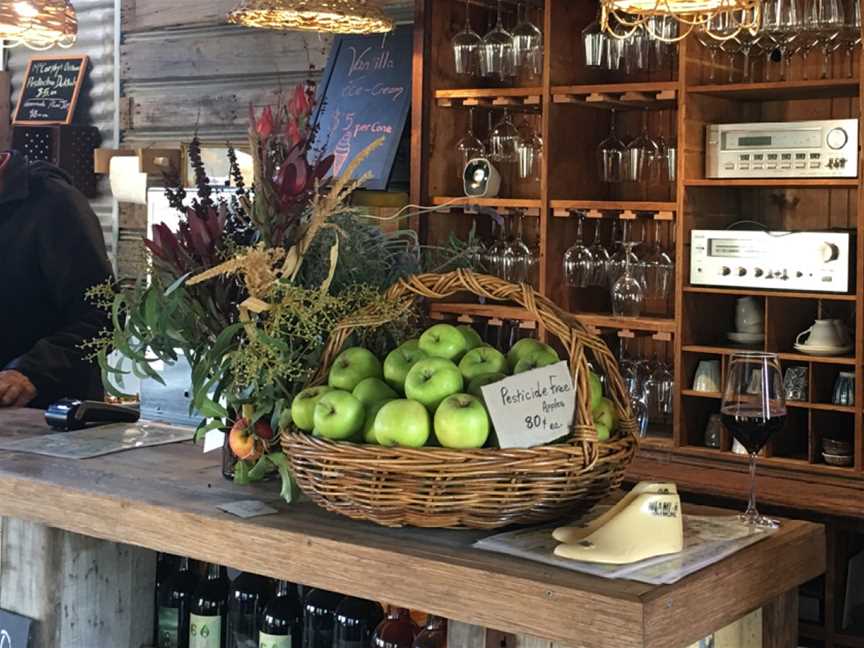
(753, 410)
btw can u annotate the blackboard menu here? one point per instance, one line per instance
(14, 630)
(50, 90)
(366, 94)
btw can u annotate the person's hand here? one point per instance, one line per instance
(16, 390)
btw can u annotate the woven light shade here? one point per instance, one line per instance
(621, 18)
(38, 24)
(331, 16)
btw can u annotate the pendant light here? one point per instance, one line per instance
(622, 18)
(38, 24)
(329, 16)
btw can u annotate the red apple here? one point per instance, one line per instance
(243, 443)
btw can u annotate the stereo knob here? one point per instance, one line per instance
(829, 252)
(725, 271)
(742, 272)
(837, 138)
(758, 272)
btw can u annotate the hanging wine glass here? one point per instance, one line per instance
(593, 43)
(627, 292)
(578, 261)
(599, 258)
(659, 270)
(466, 48)
(611, 154)
(529, 151)
(516, 260)
(469, 147)
(496, 52)
(527, 45)
(852, 34)
(781, 21)
(494, 259)
(831, 24)
(641, 156)
(504, 140)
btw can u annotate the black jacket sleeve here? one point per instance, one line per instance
(72, 259)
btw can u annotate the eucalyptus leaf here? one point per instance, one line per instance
(289, 490)
(177, 283)
(241, 473)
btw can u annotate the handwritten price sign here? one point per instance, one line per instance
(532, 408)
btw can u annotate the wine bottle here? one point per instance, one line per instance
(397, 630)
(319, 608)
(433, 634)
(249, 593)
(355, 621)
(282, 621)
(174, 597)
(207, 626)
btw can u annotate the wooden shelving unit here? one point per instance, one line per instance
(575, 112)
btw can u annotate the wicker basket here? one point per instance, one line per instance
(485, 488)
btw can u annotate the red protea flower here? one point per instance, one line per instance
(264, 124)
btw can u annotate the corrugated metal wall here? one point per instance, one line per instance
(185, 71)
(96, 104)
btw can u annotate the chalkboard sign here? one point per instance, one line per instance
(50, 90)
(14, 630)
(366, 94)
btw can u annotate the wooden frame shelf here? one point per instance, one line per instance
(768, 183)
(461, 202)
(782, 90)
(502, 97)
(773, 294)
(619, 96)
(624, 209)
(471, 309)
(574, 116)
(794, 357)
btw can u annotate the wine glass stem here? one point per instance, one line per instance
(751, 512)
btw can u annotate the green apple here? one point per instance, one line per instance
(461, 421)
(372, 390)
(482, 360)
(443, 341)
(432, 380)
(399, 361)
(402, 422)
(338, 415)
(521, 349)
(371, 413)
(303, 407)
(596, 388)
(351, 366)
(537, 358)
(604, 416)
(472, 337)
(476, 385)
(603, 432)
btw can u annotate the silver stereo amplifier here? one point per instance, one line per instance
(826, 148)
(809, 261)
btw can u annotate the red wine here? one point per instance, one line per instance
(207, 626)
(174, 598)
(752, 432)
(282, 625)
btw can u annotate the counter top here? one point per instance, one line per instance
(165, 499)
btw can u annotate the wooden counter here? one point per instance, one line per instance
(165, 499)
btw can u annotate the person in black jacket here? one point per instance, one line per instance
(51, 252)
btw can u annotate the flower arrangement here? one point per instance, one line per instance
(248, 289)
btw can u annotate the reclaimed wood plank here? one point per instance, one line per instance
(81, 590)
(229, 51)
